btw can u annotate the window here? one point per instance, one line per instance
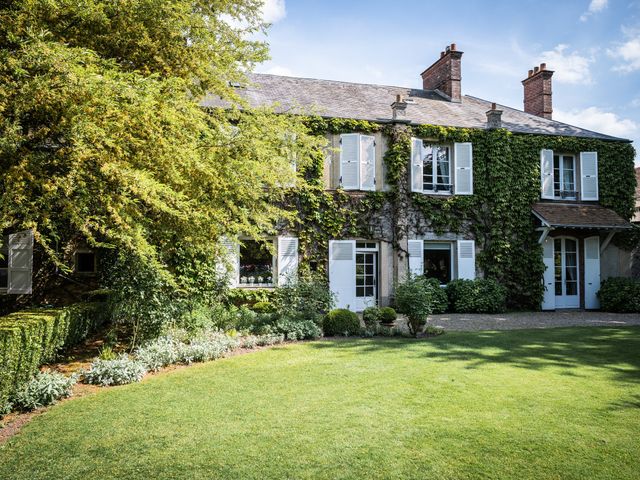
(85, 262)
(256, 264)
(357, 162)
(438, 261)
(436, 172)
(564, 177)
(4, 266)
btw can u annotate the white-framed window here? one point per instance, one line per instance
(357, 162)
(559, 175)
(85, 261)
(436, 169)
(564, 177)
(438, 261)
(441, 169)
(261, 263)
(256, 263)
(443, 259)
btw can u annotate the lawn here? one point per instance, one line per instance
(558, 403)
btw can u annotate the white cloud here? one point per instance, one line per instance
(627, 52)
(593, 118)
(273, 11)
(570, 67)
(594, 7)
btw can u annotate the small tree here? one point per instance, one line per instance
(415, 298)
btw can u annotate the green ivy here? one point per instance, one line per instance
(498, 214)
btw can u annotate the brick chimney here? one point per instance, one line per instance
(537, 92)
(445, 74)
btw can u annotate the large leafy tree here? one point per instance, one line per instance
(102, 135)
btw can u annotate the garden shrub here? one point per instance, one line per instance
(371, 316)
(477, 296)
(158, 353)
(120, 371)
(388, 315)
(309, 298)
(263, 307)
(415, 297)
(296, 328)
(341, 322)
(31, 338)
(620, 295)
(439, 296)
(46, 388)
(248, 296)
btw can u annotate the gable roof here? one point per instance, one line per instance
(333, 99)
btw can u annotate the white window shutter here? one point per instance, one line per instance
(350, 161)
(591, 272)
(546, 173)
(367, 162)
(548, 280)
(416, 257)
(417, 166)
(342, 272)
(589, 175)
(229, 264)
(463, 176)
(20, 269)
(287, 260)
(466, 259)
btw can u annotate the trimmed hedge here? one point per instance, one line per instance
(341, 322)
(477, 296)
(31, 338)
(620, 295)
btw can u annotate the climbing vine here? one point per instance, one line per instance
(498, 214)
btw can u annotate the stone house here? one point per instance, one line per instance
(428, 181)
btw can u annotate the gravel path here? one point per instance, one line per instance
(513, 321)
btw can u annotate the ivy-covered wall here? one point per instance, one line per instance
(506, 174)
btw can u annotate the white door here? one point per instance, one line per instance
(342, 272)
(366, 276)
(566, 272)
(548, 280)
(591, 272)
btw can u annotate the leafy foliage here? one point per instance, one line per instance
(415, 297)
(120, 371)
(620, 295)
(45, 388)
(30, 338)
(341, 322)
(308, 298)
(371, 316)
(476, 296)
(388, 315)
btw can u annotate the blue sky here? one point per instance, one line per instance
(593, 45)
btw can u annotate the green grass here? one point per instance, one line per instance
(538, 404)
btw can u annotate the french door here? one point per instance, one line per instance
(366, 275)
(566, 272)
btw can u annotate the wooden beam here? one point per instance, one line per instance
(607, 241)
(545, 233)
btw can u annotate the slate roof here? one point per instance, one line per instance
(578, 216)
(335, 99)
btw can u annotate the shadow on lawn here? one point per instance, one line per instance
(614, 349)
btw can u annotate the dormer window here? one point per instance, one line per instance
(564, 177)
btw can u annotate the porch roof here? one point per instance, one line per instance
(575, 215)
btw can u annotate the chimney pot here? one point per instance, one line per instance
(493, 106)
(441, 54)
(536, 69)
(448, 49)
(453, 47)
(530, 73)
(543, 66)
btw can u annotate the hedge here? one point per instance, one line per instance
(620, 295)
(31, 338)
